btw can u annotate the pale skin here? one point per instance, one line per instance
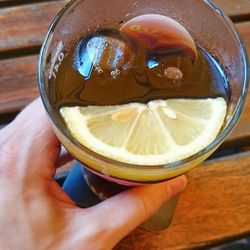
(35, 213)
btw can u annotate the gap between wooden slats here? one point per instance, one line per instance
(9, 3)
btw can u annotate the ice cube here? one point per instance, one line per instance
(108, 53)
(103, 54)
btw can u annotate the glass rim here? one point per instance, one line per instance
(165, 167)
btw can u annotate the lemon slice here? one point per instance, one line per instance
(159, 132)
(160, 34)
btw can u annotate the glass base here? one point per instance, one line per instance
(88, 189)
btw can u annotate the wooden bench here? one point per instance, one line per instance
(215, 208)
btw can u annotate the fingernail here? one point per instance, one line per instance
(177, 185)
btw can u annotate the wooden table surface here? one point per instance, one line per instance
(215, 207)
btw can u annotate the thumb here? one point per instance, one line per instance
(122, 213)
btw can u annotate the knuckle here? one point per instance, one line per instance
(151, 201)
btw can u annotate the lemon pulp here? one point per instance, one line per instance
(159, 132)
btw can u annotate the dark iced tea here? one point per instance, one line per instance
(104, 68)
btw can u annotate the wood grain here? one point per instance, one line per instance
(19, 1)
(214, 208)
(25, 26)
(244, 32)
(241, 134)
(18, 83)
(234, 8)
(7, 3)
(231, 7)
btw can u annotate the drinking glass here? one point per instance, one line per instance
(210, 29)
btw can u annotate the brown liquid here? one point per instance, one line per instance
(106, 69)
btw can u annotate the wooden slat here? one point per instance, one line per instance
(214, 208)
(244, 31)
(17, 83)
(8, 3)
(17, 2)
(241, 134)
(5, 1)
(231, 7)
(234, 8)
(21, 1)
(25, 26)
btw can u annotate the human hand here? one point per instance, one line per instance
(35, 213)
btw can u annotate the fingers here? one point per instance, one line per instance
(28, 143)
(119, 215)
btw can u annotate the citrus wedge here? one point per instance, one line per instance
(159, 132)
(160, 34)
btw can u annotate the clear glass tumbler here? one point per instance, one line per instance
(209, 27)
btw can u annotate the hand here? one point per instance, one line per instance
(35, 213)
